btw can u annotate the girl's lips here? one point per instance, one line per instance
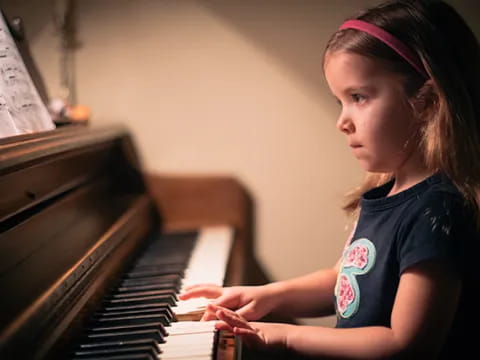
(354, 144)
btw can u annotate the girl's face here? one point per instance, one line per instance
(375, 116)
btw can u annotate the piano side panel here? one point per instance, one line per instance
(189, 202)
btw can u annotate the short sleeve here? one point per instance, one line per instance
(434, 230)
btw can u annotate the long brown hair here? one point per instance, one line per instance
(450, 138)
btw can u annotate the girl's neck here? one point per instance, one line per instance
(411, 173)
(403, 183)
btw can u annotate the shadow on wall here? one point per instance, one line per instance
(282, 29)
(288, 32)
(293, 34)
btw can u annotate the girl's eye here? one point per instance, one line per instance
(358, 98)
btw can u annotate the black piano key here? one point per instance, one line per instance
(129, 320)
(119, 350)
(175, 280)
(159, 263)
(129, 301)
(116, 307)
(162, 260)
(119, 357)
(132, 310)
(150, 326)
(179, 270)
(152, 279)
(146, 311)
(171, 292)
(148, 263)
(173, 285)
(126, 335)
(171, 247)
(136, 311)
(117, 343)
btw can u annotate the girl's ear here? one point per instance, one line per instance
(426, 99)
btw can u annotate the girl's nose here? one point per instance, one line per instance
(345, 124)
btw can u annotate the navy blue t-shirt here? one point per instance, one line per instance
(427, 221)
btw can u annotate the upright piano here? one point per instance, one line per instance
(94, 250)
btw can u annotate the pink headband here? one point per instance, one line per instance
(399, 47)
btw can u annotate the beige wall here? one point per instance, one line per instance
(222, 87)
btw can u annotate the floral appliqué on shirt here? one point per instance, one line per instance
(358, 259)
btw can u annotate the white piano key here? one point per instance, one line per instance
(192, 325)
(185, 357)
(210, 256)
(207, 264)
(204, 348)
(191, 345)
(195, 339)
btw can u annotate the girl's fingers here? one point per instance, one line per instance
(208, 315)
(248, 311)
(221, 325)
(249, 337)
(201, 291)
(226, 301)
(210, 312)
(234, 315)
(190, 287)
(232, 319)
(215, 307)
(243, 331)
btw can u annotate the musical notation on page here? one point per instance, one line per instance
(21, 108)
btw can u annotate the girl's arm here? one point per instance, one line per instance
(422, 315)
(309, 295)
(305, 296)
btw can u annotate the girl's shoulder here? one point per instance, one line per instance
(440, 206)
(438, 224)
(441, 196)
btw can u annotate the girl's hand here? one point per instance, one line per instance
(254, 334)
(251, 302)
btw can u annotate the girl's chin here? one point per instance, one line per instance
(372, 167)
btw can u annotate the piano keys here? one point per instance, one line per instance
(92, 247)
(138, 317)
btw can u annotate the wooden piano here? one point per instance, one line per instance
(93, 251)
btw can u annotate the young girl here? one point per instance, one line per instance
(407, 77)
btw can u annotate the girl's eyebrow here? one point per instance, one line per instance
(351, 89)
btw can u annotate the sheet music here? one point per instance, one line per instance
(21, 108)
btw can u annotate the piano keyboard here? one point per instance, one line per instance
(139, 318)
